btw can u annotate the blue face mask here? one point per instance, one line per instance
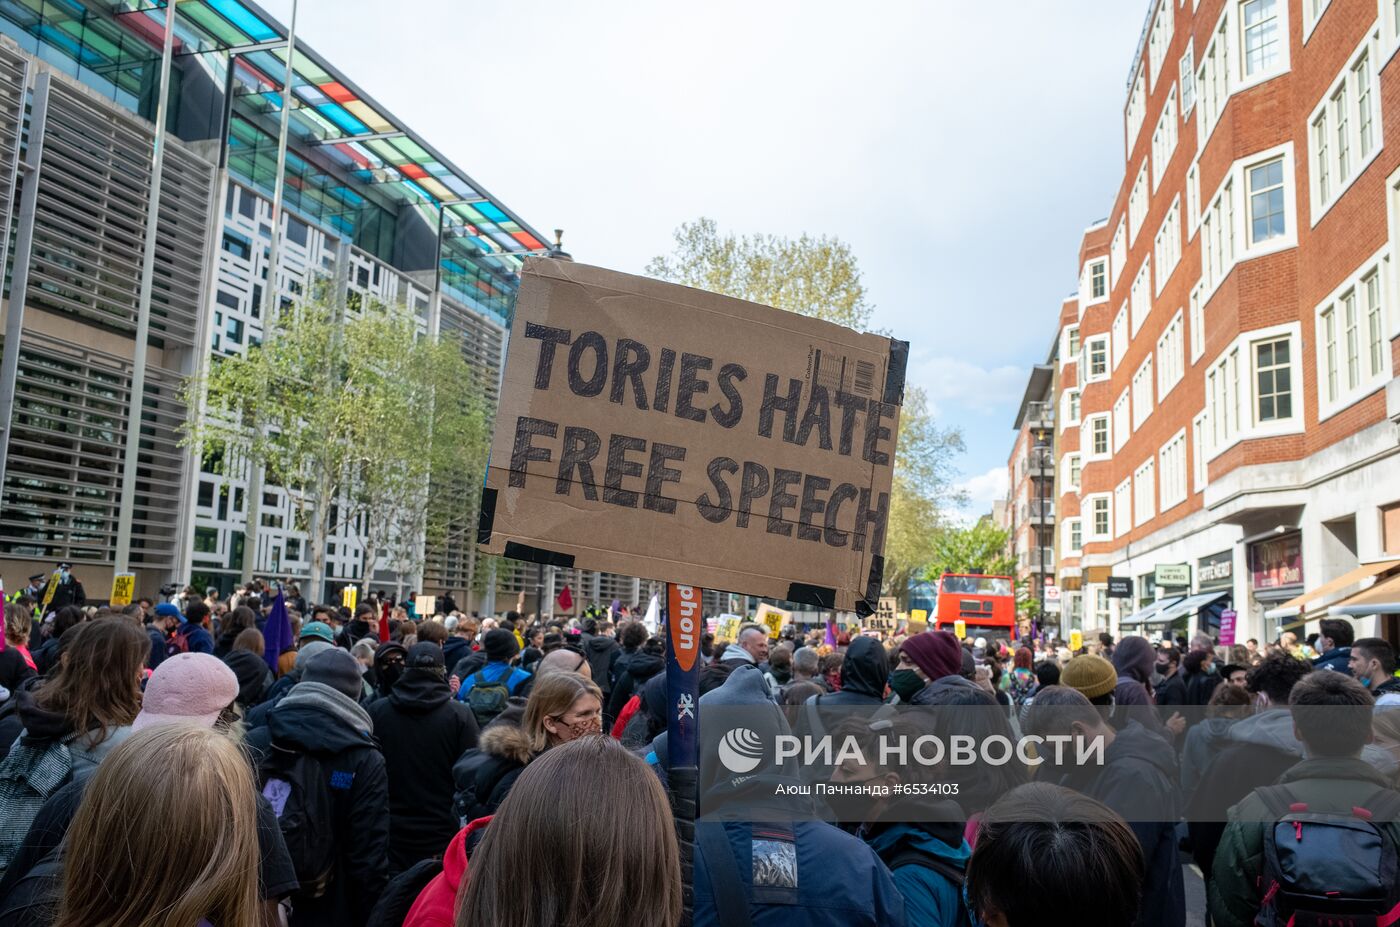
(63, 577)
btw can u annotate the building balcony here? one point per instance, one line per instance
(1040, 415)
(1040, 461)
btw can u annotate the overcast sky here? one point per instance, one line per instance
(961, 151)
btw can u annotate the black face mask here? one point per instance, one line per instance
(389, 674)
(906, 683)
(1162, 668)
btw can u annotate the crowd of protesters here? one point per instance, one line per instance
(256, 759)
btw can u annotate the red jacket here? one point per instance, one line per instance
(437, 903)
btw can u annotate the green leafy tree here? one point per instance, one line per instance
(980, 548)
(352, 414)
(820, 277)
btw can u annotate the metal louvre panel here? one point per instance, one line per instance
(155, 524)
(64, 470)
(186, 199)
(89, 227)
(13, 68)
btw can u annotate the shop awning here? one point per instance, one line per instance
(1151, 611)
(1189, 606)
(1298, 605)
(1381, 599)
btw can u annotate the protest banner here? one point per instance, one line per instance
(774, 618)
(425, 606)
(54, 578)
(123, 587)
(728, 629)
(1076, 640)
(651, 429)
(349, 596)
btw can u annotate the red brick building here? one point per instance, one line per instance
(1225, 383)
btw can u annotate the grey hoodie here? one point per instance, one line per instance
(1273, 727)
(735, 652)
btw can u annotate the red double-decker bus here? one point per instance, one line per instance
(985, 604)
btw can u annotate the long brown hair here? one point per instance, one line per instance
(584, 859)
(97, 685)
(131, 863)
(551, 697)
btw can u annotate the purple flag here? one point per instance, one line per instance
(830, 633)
(277, 632)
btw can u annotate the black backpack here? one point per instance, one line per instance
(298, 787)
(953, 871)
(397, 898)
(488, 699)
(1323, 868)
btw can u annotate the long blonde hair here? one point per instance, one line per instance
(616, 864)
(130, 862)
(551, 697)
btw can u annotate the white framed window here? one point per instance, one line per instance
(1142, 393)
(1070, 413)
(1213, 79)
(1171, 357)
(1172, 459)
(1263, 38)
(1095, 437)
(1118, 253)
(1073, 536)
(1140, 300)
(1390, 18)
(1260, 220)
(1137, 107)
(1193, 199)
(1096, 350)
(1353, 351)
(1199, 428)
(1145, 492)
(1198, 324)
(1073, 468)
(1164, 140)
(1312, 12)
(1137, 204)
(1122, 421)
(1069, 351)
(1093, 285)
(1248, 46)
(1100, 509)
(1159, 40)
(1120, 336)
(1122, 508)
(1344, 129)
(1187, 70)
(1166, 248)
(1253, 387)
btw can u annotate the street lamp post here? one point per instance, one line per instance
(1040, 500)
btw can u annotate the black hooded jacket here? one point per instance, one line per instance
(254, 677)
(864, 674)
(1138, 780)
(633, 670)
(599, 650)
(422, 731)
(360, 792)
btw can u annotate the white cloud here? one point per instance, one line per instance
(984, 489)
(956, 386)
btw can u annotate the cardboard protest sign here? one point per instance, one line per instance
(123, 586)
(728, 628)
(656, 430)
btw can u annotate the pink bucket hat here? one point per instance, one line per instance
(189, 687)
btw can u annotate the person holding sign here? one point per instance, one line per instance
(64, 589)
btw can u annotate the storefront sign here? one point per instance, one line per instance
(1120, 587)
(1173, 575)
(1216, 571)
(1277, 562)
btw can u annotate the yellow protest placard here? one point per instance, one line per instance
(728, 628)
(1076, 640)
(960, 628)
(349, 596)
(123, 587)
(51, 588)
(774, 618)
